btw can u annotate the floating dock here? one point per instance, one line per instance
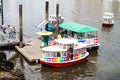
(31, 51)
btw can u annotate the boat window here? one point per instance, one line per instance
(79, 50)
(57, 44)
(64, 54)
(60, 45)
(64, 46)
(71, 33)
(54, 54)
(91, 35)
(80, 35)
(76, 51)
(47, 54)
(50, 54)
(44, 54)
(75, 35)
(83, 50)
(67, 46)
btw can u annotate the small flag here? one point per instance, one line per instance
(41, 24)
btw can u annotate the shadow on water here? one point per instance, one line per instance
(107, 29)
(11, 47)
(2, 55)
(5, 44)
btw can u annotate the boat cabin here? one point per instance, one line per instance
(61, 52)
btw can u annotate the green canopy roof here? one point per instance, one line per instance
(75, 27)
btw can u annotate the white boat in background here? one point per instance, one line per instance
(108, 19)
(52, 19)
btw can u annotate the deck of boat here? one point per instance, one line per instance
(31, 51)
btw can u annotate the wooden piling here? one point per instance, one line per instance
(57, 16)
(46, 13)
(46, 10)
(2, 12)
(46, 17)
(20, 27)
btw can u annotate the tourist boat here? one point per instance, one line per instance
(64, 52)
(83, 33)
(52, 19)
(108, 19)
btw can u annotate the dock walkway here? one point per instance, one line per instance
(32, 51)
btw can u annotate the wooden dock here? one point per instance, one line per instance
(31, 51)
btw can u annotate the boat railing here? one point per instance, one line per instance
(64, 59)
(76, 50)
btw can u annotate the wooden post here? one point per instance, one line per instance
(20, 27)
(57, 16)
(2, 12)
(46, 13)
(46, 17)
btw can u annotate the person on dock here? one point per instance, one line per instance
(3, 29)
(10, 31)
(14, 32)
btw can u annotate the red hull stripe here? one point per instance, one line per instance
(63, 64)
(107, 25)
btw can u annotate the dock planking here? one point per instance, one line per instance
(31, 51)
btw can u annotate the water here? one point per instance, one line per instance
(103, 64)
